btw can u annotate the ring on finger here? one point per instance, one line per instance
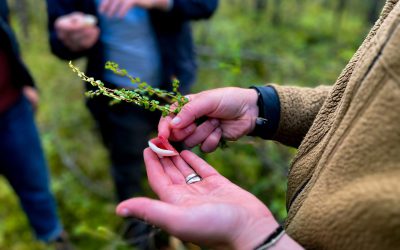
(193, 178)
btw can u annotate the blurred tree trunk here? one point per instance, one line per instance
(299, 5)
(276, 15)
(373, 10)
(260, 5)
(340, 7)
(21, 8)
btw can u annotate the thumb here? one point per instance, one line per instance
(155, 212)
(163, 126)
(199, 105)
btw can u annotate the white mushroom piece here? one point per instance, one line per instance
(162, 147)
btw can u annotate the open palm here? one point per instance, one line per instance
(212, 212)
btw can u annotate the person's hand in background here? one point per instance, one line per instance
(32, 95)
(77, 31)
(119, 8)
(230, 113)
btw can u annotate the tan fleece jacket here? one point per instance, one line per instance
(344, 184)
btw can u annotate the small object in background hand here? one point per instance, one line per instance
(76, 20)
(162, 147)
(90, 20)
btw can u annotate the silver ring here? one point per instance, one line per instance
(193, 178)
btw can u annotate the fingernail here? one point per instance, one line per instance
(124, 212)
(176, 121)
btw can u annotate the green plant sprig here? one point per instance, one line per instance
(140, 96)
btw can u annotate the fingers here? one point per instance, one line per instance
(177, 169)
(202, 132)
(155, 212)
(113, 8)
(116, 7)
(212, 141)
(172, 171)
(199, 165)
(124, 8)
(105, 5)
(164, 127)
(194, 109)
(76, 18)
(80, 40)
(182, 166)
(71, 22)
(74, 32)
(91, 36)
(181, 134)
(158, 179)
(166, 131)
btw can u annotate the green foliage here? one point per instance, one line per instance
(140, 95)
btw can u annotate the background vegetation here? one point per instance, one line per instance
(248, 42)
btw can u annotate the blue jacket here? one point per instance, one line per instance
(20, 74)
(172, 30)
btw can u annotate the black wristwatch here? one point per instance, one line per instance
(268, 104)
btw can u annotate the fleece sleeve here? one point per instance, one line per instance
(298, 109)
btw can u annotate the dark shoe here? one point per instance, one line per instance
(62, 242)
(143, 236)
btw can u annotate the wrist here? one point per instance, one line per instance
(272, 239)
(252, 108)
(278, 239)
(286, 243)
(253, 236)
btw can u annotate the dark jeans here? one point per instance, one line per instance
(23, 164)
(125, 129)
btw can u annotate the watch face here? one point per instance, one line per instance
(261, 121)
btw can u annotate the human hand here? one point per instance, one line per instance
(32, 95)
(212, 212)
(121, 7)
(230, 112)
(75, 32)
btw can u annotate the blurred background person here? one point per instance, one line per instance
(22, 161)
(153, 41)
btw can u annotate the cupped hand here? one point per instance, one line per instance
(229, 113)
(212, 212)
(121, 7)
(75, 33)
